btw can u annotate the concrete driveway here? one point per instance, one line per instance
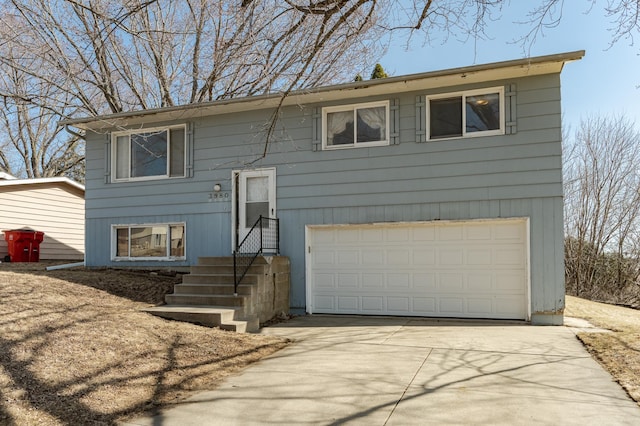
(402, 371)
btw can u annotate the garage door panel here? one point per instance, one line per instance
(372, 235)
(450, 233)
(372, 257)
(324, 303)
(347, 281)
(325, 281)
(451, 257)
(346, 235)
(373, 305)
(480, 306)
(398, 305)
(398, 257)
(373, 281)
(451, 282)
(480, 282)
(509, 231)
(348, 257)
(512, 255)
(324, 258)
(398, 235)
(467, 269)
(424, 305)
(398, 281)
(510, 282)
(508, 306)
(348, 304)
(451, 306)
(424, 233)
(424, 257)
(424, 282)
(479, 256)
(478, 232)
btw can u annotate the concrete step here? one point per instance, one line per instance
(191, 299)
(242, 326)
(217, 279)
(213, 289)
(226, 260)
(209, 316)
(224, 269)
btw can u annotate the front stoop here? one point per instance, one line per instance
(206, 295)
(209, 316)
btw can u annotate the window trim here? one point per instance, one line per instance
(167, 225)
(463, 95)
(168, 129)
(354, 108)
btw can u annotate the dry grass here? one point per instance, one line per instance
(75, 348)
(619, 351)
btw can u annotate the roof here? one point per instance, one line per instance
(63, 181)
(6, 176)
(538, 65)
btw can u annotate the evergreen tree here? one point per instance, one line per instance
(358, 77)
(378, 72)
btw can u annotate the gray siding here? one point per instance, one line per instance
(516, 175)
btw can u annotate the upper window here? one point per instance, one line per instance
(473, 113)
(152, 154)
(356, 125)
(150, 242)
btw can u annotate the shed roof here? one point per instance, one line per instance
(538, 65)
(61, 181)
(6, 176)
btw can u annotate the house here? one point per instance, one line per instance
(54, 206)
(436, 194)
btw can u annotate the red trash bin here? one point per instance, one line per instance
(23, 244)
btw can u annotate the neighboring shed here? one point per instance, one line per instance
(54, 206)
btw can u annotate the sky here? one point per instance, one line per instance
(605, 82)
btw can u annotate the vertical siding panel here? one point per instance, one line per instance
(537, 258)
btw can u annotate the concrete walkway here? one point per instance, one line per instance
(401, 371)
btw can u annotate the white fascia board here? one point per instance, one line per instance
(42, 181)
(550, 64)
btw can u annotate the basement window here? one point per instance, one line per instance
(148, 242)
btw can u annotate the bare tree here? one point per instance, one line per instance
(97, 57)
(602, 207)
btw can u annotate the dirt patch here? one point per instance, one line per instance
(76, 349)
(619, 351)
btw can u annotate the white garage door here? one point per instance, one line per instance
(474, 269)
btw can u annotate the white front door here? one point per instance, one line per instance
(254, 196)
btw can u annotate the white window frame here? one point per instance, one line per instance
(354, 108)
(464, 95)
(168, 129)
(168, 225)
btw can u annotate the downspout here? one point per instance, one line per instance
(73, 132)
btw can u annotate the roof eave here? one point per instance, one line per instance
(539, 65)
(43, 181)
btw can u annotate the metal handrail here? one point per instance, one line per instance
(253, 245)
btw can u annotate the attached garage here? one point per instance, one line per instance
(458, 269)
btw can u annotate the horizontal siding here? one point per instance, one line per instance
(48, 208)
(206, 235)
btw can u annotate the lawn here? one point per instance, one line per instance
(76, 349)
(619, 351)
